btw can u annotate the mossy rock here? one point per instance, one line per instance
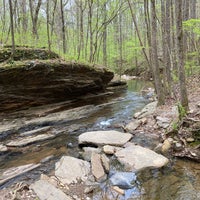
(26, 53)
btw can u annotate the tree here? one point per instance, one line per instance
(155, 64)
(34, 10)
(12, 29)
(180, 55)
(63, 27)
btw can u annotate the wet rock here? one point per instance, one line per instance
(36, 131)
(29, 140)
(133, 125)
(3, 148)
(47, 191)
(105, 162)
(124, 180)
(163, 122)
(147, 110)
(104, 137)
(16, 171)
(97, 168)
(136, 158)
(69, 170)
(110, 150)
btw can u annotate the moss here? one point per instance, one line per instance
(26, 53)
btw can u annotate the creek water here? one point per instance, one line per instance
(180, 180)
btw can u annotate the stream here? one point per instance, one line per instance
(180, 180)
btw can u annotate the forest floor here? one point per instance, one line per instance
(184, 133)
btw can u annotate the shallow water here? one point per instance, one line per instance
(180, 180)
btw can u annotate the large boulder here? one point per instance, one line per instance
(34, 80)
(135, 158)
(101, 138)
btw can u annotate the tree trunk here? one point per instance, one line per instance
(12, 29)
(48, 22)
(105, 36)
(138, 34)
(90, 4)
(63, 28)
(180, 56)
(155, 64)
(34, 16)
(165, 18)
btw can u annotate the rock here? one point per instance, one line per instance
(16, 171)
(3, 148)
(47, 191)
(104, 137)
(116, 83)
(133, 125)
(29, 140)
(178, 146)
(118, 190)
(97, 168)
(46, 159)
(33, 132)
(136, 158)
(90, 188)
(69, 170)
(190, 139)
(49, 180)
(124, 180)
(110, 150)
(163, 122)
(47, 81)
(147, 110)
(167, 144)
(158, 148)
(105, 162)
(198, 105)
(87, 154)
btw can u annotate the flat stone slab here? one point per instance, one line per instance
(70, 170)
(136, 158)
(16, 171)
(29, 140)
(46, 191)
(104, 138)
(97, 167)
